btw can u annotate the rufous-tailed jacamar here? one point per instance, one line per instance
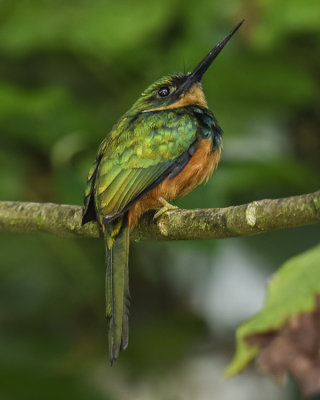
(162, 148)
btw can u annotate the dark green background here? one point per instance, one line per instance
(68, 70)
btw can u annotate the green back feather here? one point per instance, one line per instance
(134, 160)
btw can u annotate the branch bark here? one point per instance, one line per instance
(217, 223)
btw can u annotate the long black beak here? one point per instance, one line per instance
(200, 69)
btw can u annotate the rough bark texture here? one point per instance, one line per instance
(217, 223)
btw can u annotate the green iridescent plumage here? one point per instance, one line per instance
(136, 153)
(139, 156)
(153, 141)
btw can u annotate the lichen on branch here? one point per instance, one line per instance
(212, 223)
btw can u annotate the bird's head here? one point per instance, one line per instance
(179, 90)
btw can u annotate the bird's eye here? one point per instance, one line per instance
(164, 91)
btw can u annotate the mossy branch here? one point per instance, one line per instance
(216, 223)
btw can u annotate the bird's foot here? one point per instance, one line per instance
(165, 208)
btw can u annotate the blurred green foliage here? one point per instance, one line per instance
(68, 70)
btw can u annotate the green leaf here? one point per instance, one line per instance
(291, 292)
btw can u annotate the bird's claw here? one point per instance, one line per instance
(165, 208)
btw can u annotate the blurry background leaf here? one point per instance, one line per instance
(292, 291)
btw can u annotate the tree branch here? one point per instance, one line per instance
(216, 223)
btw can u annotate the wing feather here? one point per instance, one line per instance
(145, 154)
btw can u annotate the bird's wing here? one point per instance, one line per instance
(89, 209)
(156, 145)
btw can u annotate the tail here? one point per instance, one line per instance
(117, 284)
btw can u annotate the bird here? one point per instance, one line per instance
(163, 147)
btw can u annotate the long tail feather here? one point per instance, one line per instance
(117, 285)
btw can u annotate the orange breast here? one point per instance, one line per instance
(199, 168)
